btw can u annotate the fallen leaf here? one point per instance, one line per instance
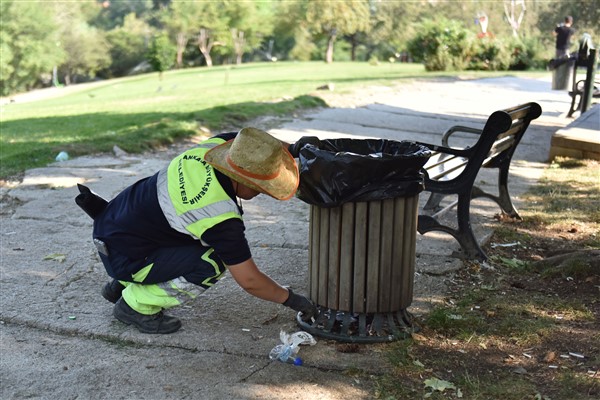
(512, 262)
(56, 257)
(417, 337)
(550, 356)
(438, 384)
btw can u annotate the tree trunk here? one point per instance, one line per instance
(329, 54)
(205, 44)
(208, 59)
(181, 43)
(238, 44)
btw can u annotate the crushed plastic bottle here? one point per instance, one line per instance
(62, 156)
(287, 351)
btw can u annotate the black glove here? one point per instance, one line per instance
(294, 148)
(301, 304)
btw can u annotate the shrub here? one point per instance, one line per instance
(489, 54)
(161, 54)
(525, 54)
(441, 44)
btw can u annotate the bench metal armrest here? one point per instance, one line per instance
(458, 128)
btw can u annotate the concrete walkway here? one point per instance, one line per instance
(60, 341)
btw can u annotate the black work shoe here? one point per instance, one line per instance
(155, 323)
(112, 291)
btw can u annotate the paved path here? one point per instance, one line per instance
(59, 339)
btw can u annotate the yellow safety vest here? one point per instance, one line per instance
(190, 194)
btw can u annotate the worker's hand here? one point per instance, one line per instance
(294, 148)
(301, 304)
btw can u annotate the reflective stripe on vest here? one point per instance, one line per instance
(190, 195)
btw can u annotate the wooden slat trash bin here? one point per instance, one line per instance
(362, 255)
(362, 263)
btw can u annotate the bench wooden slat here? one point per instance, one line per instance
(500, 146)
(450, 166)
(514, 130)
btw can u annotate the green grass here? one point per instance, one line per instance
(139, 112)
(569, 192)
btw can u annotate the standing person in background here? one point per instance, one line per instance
(563, 33)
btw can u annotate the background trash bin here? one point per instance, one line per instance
(363, 226)
(561, 74)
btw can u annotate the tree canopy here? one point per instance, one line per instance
(86, 39)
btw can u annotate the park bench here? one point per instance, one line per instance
(578, 93)
(584, 90)
(452, 171)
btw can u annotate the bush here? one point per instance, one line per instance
(127, 46)
(446, 45)
(526, 54)
(489, 54)
(303, 47)
(441, 45)
(161, 54)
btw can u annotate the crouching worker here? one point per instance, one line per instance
(169, 237)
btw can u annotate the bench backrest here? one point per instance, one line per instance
(504, 130)
(495, 146)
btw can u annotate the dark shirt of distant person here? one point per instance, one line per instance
(563, 33)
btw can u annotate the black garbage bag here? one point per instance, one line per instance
(555, 63)
(338, 171)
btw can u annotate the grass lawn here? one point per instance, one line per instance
(140, 112)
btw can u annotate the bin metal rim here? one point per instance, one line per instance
(369, 327)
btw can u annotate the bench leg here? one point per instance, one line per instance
(503, 199)
(433, 202)
(575, 98)
(464, 234)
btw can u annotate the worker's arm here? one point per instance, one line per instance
(258, 284)
(253, 281)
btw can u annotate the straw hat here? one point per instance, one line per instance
(258, 160)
